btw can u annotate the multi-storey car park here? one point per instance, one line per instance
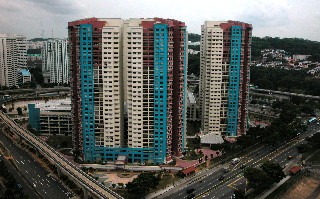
(128, 80)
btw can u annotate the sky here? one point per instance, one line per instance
(275, 18)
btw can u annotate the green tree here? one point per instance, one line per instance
(19, 110)
(304, 148)
(194, 37)
(314, 141)
(245, 141)
(239, 194)
(194, 64)
(257, 178)
(273, 170)
(143, 183)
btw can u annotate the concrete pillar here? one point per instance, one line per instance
(58, 171)
(85, 193)
(37, 152)
(19, 139)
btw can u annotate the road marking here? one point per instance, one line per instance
(231, 184)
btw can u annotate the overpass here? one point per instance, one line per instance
(284, 93)
(88, 183)
(36, 90)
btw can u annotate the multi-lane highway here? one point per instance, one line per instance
(218, 184)
(98, 190)
(35, 179)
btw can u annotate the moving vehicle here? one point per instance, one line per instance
(235, 160)
(221, 178)
(190, 190)
(226, 169)
(242, 166)
(191, 196)
(290, 157)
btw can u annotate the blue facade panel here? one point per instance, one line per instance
(234, 80)
(87, 88)
(138, 155)
(160, 91)
(34, 117)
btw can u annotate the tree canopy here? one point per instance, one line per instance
(194, 37)
(257, 178)
(284, 80)
(273, 170)
(143, 183)
(291, 45)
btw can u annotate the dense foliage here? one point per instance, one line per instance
(284, 80)
(273, 170)
(291, 45)
(193, 64)
(142, 184)
(260, 180)
(257, 178)
(193, 37)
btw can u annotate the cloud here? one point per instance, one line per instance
(282, 18)
(63, 7)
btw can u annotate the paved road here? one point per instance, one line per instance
(234, 179)
(85, 180)
(32, 171)
(27, 188)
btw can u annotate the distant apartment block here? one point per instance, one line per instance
(192, 108)
(128, 81)
(13, 57)
(300, 57)
(34, 54)
(55, 61)
(35, 43)
(51, 118)
(224, 77)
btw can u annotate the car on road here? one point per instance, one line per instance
(242, 166)
(190, 190)
(290, 157)
(226, 169)
(221, 178)
(19, 186)
(235, 161)
(191, 196)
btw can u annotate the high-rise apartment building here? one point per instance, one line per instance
(13, 57)
(128, 81)
(224, 76)
(55, 61)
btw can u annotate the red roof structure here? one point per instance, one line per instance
(294, 170)
(188, 170)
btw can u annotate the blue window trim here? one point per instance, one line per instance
(234, 80)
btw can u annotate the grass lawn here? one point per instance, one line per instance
(125, 175)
